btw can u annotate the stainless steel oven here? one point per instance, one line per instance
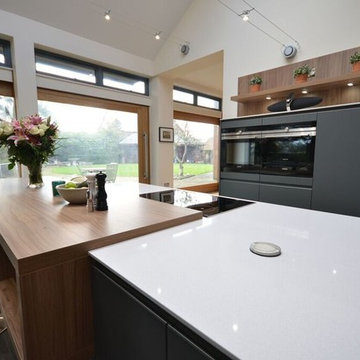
(286, 149)
(240, 150)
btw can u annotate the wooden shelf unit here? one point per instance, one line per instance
(311, 86)
(333, 72)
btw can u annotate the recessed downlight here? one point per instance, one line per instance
(304, 91)
(268, 97)
(350, 84)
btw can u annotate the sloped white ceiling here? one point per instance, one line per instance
(131, 28)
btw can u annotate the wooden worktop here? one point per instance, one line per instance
(38, 229)
(45, 284)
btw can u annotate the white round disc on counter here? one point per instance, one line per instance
(265, 249)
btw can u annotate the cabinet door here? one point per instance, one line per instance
(181, 348)
(285, 195)
(336, 186)
(239, 189)
(124, 328)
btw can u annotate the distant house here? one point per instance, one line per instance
(128, 149)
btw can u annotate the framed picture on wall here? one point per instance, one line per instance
(166, 134)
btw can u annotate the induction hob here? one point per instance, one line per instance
(208, 204)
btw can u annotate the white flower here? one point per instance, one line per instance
(1, 131)
(8, 129)
(34, 130)
(41, 132)
(43, 126)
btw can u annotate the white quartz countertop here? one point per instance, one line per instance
(303, 304)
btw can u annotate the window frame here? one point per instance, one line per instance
(196, 94)
(98, 72)
(7, 53)
(186, 116)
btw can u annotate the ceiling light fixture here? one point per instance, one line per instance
(245, 14)
(157, 35)
(107, 15)
(245, 17)
(304, 91)
(268, 98)
(350, 84)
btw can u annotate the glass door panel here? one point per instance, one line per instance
(93, 139)
(195, 153)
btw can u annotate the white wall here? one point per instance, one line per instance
(320, 26)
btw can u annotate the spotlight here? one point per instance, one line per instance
(268, 97)
(107, 15)
(304, 91)
(157, 35)
(245, 14)
(350, 84)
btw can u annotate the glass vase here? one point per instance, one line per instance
(35, 175)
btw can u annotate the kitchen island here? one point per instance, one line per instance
(45, 290)
(203, 288)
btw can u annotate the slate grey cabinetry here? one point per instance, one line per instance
(336, 180)
(124, 328)
(127, 328)
(181, 348)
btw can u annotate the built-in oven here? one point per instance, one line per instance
(286, 149)
(240, 150)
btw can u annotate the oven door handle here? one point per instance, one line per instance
(241, 135)
(299, 132)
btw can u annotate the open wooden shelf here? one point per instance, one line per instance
(10, 307)
(310, 86)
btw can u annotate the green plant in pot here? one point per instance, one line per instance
(303, 72)
(355, 61)
(255, 83)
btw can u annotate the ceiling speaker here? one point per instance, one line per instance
(289, 51)
(185, 49)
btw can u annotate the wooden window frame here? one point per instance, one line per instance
(141, 110)
(181, 115)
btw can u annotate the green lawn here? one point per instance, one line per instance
(127, 170)
(194, 169)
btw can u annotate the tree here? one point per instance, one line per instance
(183, 138)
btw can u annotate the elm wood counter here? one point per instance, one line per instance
(44, 267)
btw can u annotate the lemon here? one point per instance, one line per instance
(70, 185)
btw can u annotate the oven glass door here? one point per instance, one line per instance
(291, 156)
(241, 155)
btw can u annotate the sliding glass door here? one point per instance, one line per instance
(97, 135)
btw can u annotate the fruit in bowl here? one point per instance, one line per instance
(74, 191)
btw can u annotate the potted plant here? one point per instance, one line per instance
(255, 83)
(355, 61)
(302, 73)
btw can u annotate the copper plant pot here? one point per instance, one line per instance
(356, 66)
(255, 87)
(301, 78)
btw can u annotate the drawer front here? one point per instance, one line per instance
(239, 189)
(285, 195)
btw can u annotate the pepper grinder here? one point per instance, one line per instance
(101, 195)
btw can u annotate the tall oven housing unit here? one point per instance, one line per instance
(269, 159)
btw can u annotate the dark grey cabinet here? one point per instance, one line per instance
(124, 328)
(127, 329)
(285, 195)
(336, 185)
(239, 189)
(181, 348)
